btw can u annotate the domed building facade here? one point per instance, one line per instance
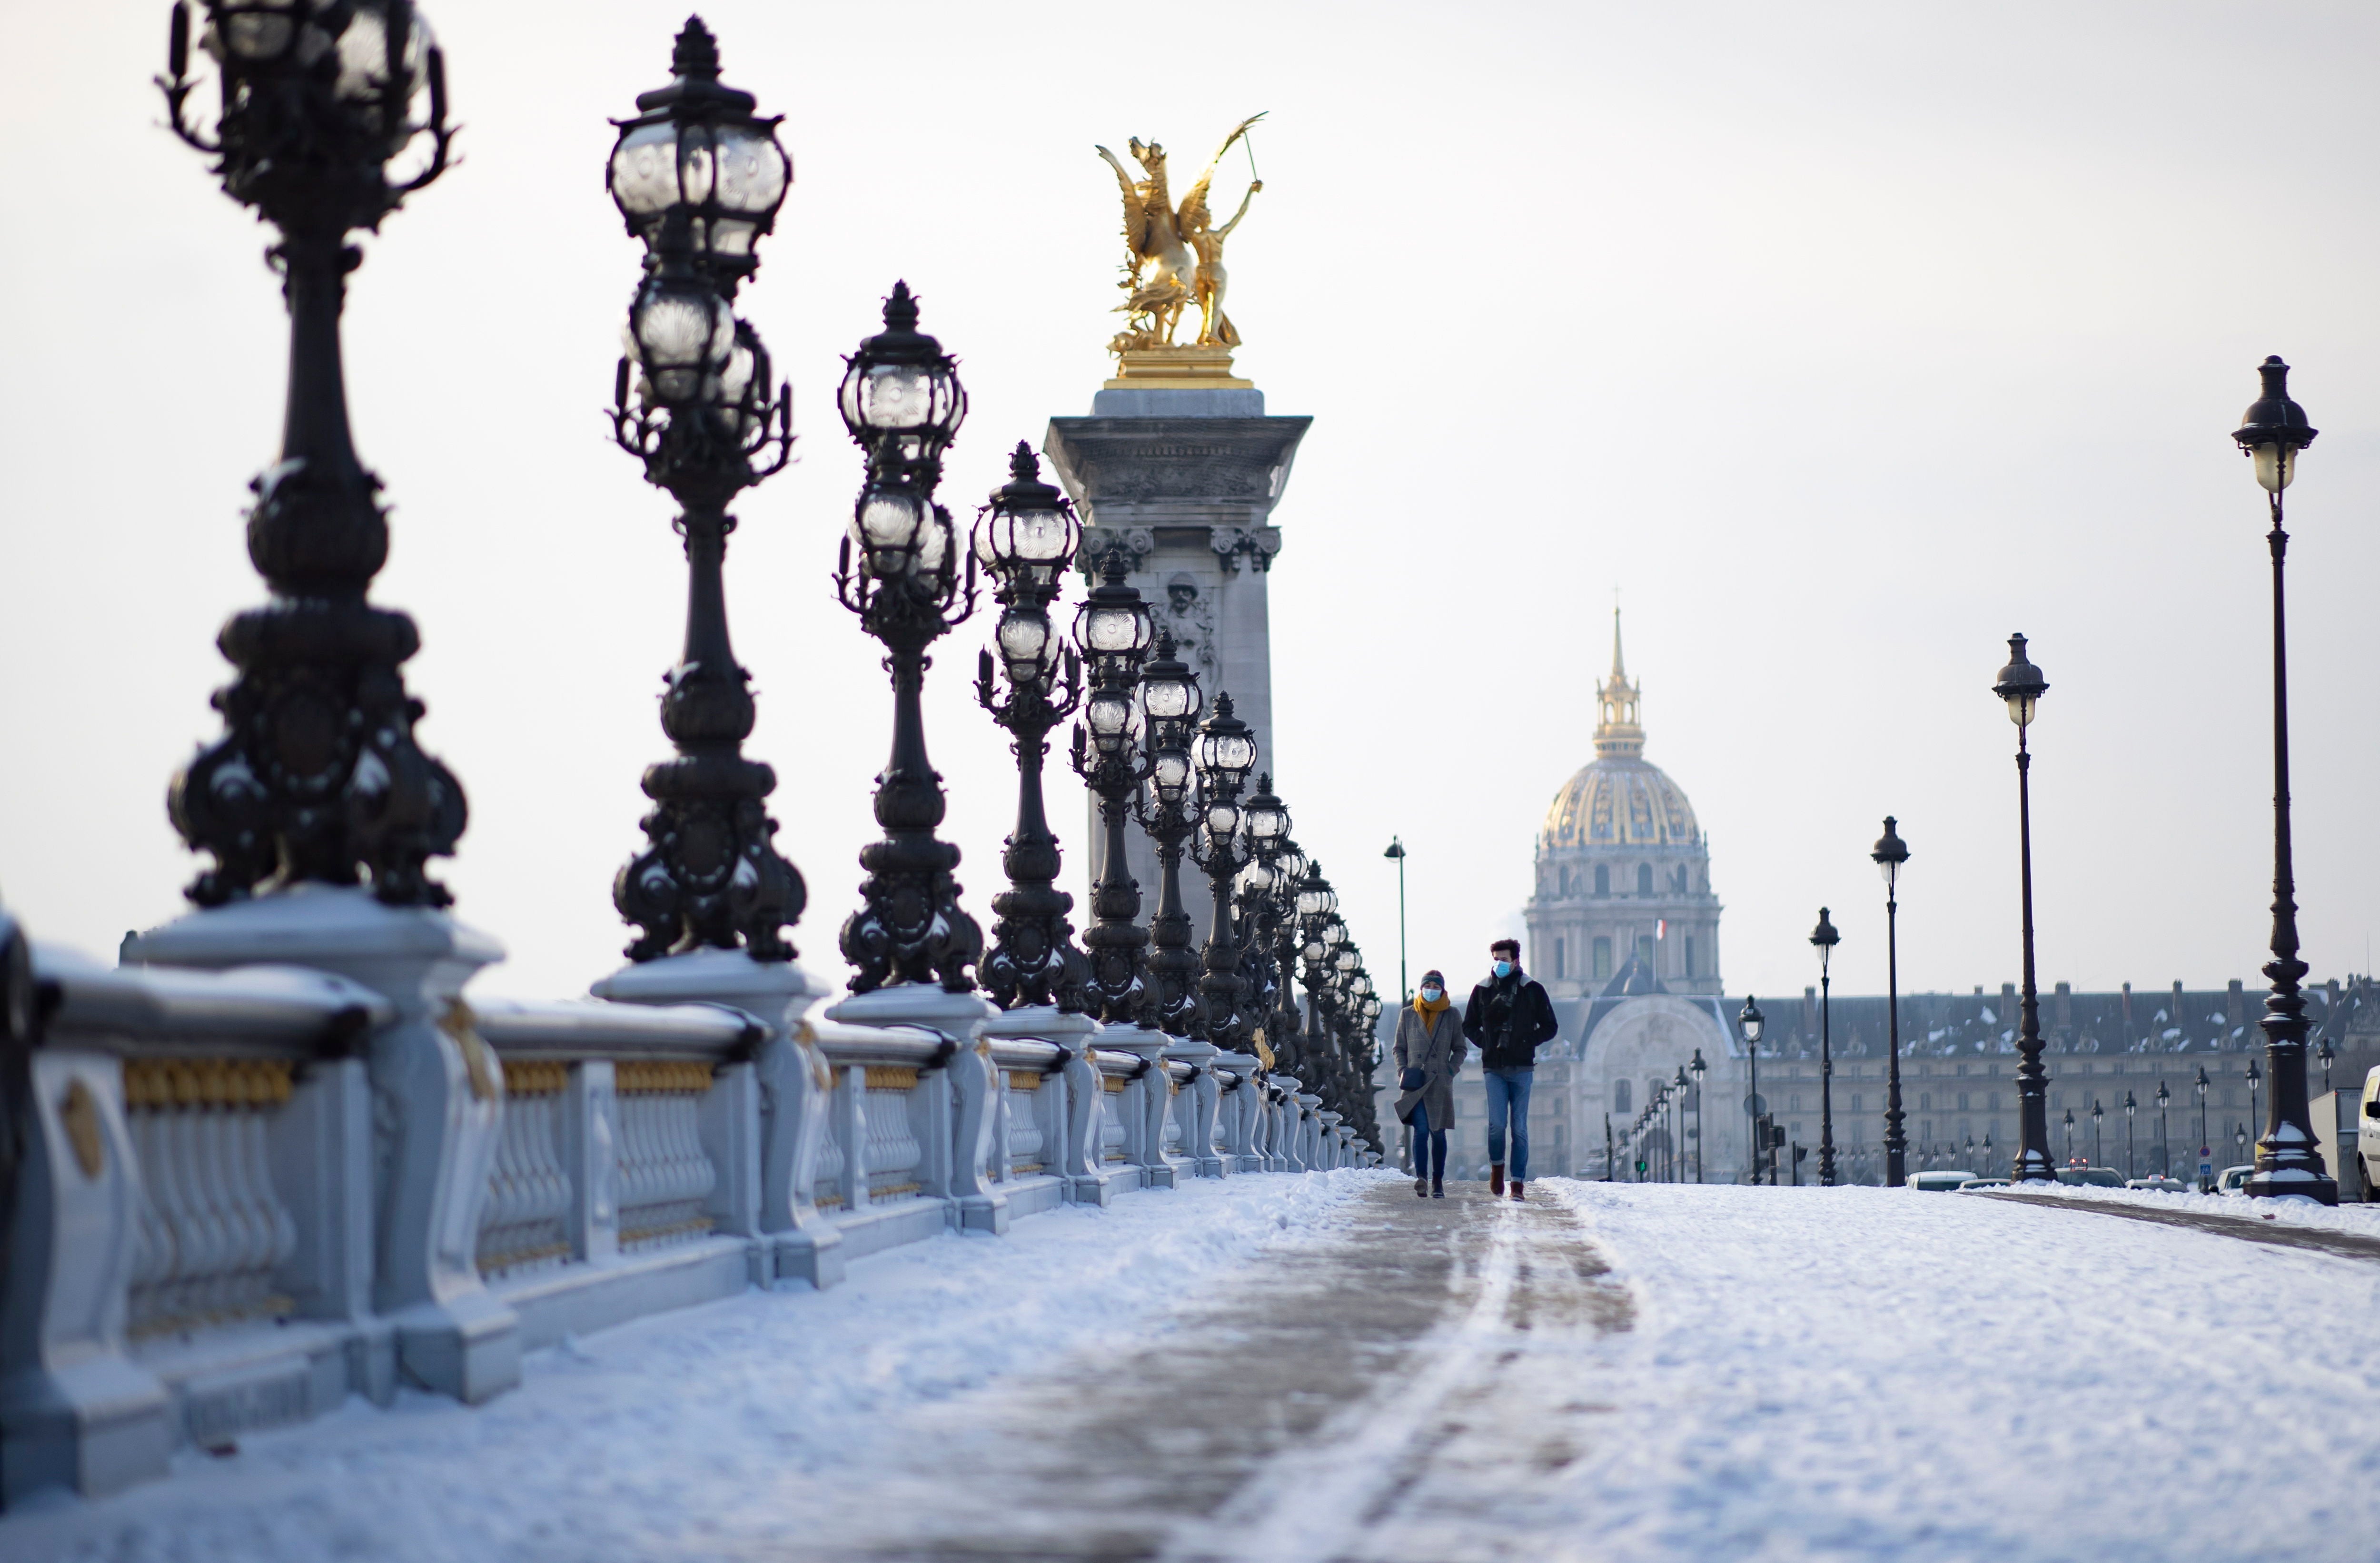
(1622, 869)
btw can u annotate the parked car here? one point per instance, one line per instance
(1982, 1184)
(1939, 1182)
(2367, 1135)
(2166, 1185)
(2092, 1177)
(2234, 1180)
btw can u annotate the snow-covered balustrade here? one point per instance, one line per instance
(888, 1167)
(628, 1164)
(1139, 1091)
(1031, 1161)
(190, 1233)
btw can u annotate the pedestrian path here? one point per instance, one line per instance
(1396, 1391)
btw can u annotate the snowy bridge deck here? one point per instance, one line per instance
(1323, 1367)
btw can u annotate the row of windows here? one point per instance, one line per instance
(2059, 1100)
(1567, 886)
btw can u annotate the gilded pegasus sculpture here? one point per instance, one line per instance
(1174, 258)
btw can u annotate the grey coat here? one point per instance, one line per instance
(1439, 1049)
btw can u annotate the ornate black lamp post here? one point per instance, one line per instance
(1112, 632)
(2165, 1133)
(317, 776)
(1825, 938)
(693, 169)
(1272, 883)
(902, 400)
(1225, 843)
(2326, 1055)
(2205, 1141)
(1890, 853)
(1169, 703)
(2021, 686)
(2098, 1116)
(1698, 1069)
(2131, 1158)
(1750, 1021)
(1317, 907)
(1679, 1089)
(1025, 538)
(2070, 1136)
(2272, 433)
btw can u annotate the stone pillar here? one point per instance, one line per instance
(1184, 481)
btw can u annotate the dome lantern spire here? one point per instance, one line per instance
(1620, 733)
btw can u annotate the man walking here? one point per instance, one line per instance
(1507, 1018)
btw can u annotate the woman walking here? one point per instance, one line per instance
(1429, 1050)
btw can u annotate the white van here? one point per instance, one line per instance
(2367, 1135)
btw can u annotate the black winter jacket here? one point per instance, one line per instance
(1508, 1019)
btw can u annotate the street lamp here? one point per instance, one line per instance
(1025, 538)
(2021, 686)
(704, 421)
(1677, 1156)
(2239, 1138)
(902, 401)
(2070, 1136)
(2325, 1055)
(1396, 849)
(317, 777)
(2131, 1160)
(1890, 853)
(1112, 632)
(2254, 1077)
(2165, 1133)
(1750, 1021)
(1223, 845)
(2272, 432)
(1698, 1069)
(1171, 701)
(2205, 1142)
(1825, 938)
(2098, 1116)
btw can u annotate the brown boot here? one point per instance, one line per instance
(1496, 1179)
(1517, 1188)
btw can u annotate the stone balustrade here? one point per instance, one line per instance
(232, 1176)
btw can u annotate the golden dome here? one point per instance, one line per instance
(1622, 799)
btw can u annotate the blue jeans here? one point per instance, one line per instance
(1429, 1147)
(1508, 1092)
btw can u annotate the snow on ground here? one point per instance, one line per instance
(1846, 1373)
(621, 1444)
(1860, 1372)
(2363, 1220)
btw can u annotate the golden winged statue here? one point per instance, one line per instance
(1174, 258)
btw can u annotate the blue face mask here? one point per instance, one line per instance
(1432, 995)
(1504, 968)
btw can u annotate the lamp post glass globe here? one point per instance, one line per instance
(1890, 853)
(698, 161)
(2273, 429)
(1751, 1019)
(901, 398)
(1026, 531)
(2021, 684)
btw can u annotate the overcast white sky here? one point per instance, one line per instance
(1843, 339)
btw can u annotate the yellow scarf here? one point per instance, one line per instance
(1429, 1012)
